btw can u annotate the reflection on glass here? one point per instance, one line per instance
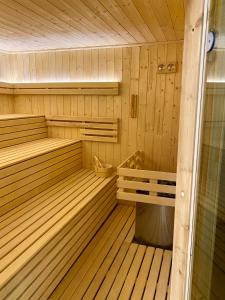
(209, 252)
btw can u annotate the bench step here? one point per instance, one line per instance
(16, 129)
(50, 208)
(29, 168)
(41, 238)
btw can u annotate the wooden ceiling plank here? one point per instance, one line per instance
(130, 10)
(162, 14)
(21, 21)
(95, 21)
(117, 13)
(14, 23)
(145, 9)
(176, 8)
(102, 39)
(66, 32)
(33, 16)
(104, 14)
(65, 21)
(48, 25)
(72, 12)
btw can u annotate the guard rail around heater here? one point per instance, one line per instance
(138, 185)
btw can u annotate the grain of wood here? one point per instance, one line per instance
(136, 70)
(126, 271)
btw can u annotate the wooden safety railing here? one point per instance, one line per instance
(138, 185)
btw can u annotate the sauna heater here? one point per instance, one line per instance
(155, 223)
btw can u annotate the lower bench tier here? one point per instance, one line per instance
(113, 267)
(41, 239)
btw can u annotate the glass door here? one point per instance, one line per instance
(208, 276)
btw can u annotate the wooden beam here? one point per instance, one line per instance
(5, 88)
(146, 174)
(164, 201)
(61, 88)
(67, 85)
(192, 79)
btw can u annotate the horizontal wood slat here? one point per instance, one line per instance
(69, 85)
(58, 88)
(5, 88)
(152, 187)
(164, 201)
(14, 129)
(8, 120)
(145, 174)
(52, 229)
(50, 208)
(29, 168)
(112, 267)
(91, 129)
(6, 91)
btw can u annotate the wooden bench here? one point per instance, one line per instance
(29, 168)
(16, 129)
(41, 238)
(29, 161)
(113, 267)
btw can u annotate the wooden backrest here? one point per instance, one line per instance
(17, 129)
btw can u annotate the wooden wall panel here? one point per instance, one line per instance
(6, 104)
(155, 129)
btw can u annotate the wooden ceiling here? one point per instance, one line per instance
(58, 24)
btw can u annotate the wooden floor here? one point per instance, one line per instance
(113, 267)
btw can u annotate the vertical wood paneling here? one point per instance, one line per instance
(156, 127)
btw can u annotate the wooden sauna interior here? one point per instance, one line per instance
(81, 79)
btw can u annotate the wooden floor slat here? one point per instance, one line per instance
(95, 262)
(132, 275)
(162, 286)
(67, 282)
(100, 274)
(113, 267)
(143, 274)
(153, 275)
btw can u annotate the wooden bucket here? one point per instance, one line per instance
(101, 169)
(105, 171)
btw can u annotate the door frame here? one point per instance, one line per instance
(192, 96)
